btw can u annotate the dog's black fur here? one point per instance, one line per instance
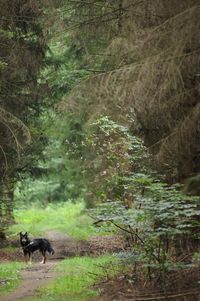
(30, 246)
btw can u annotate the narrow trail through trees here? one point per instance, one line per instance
(33, 277)
(38, 274)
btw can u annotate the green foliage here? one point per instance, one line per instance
(109, 153)
(196, 257)
(9, 276)
(156, 216)
(62, 71)
(57, 174)
(160, 215)
(60, 178)
(80, 274)
(172, 211)
(65, 217)
(64, 169)
(2, 65)
(98, 154)
(22, 48)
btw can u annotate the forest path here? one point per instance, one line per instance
(33, 277)
(37, 274)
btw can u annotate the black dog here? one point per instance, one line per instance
(30, 246)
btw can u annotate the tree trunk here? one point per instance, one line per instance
(9, 200)
(2, 220)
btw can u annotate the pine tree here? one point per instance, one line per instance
(22, 50)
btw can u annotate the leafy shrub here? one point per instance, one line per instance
(161, 221)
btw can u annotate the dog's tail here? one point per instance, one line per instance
(50, 250)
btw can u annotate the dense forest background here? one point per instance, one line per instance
(100, 100)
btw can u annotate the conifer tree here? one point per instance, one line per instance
(22, 51)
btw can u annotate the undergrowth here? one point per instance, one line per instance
(79, 274)
(9, 276)
(65, 217)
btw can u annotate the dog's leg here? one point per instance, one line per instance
(26, 258)
(30, 258)
(44, 257)
(42, 253)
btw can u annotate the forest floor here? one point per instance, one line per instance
(112, 287)
(32, 278)
(36, 275)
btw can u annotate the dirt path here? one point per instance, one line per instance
(38, 274)
(33, 277)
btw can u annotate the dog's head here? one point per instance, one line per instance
(24, 240)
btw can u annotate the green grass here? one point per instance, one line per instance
(78, 276)
(10, 273)
(65, 217)
(9, 249)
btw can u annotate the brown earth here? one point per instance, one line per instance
(38, 274)
(33, 277)
(119, 288)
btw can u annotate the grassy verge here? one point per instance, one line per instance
(65, 217)
(79, 275)
(9, 249)
(9, 276)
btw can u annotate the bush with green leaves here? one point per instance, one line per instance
(162, 225)
(161, 221)
(109, 154)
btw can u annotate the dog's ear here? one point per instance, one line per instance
(26, 234)
(20, 233)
